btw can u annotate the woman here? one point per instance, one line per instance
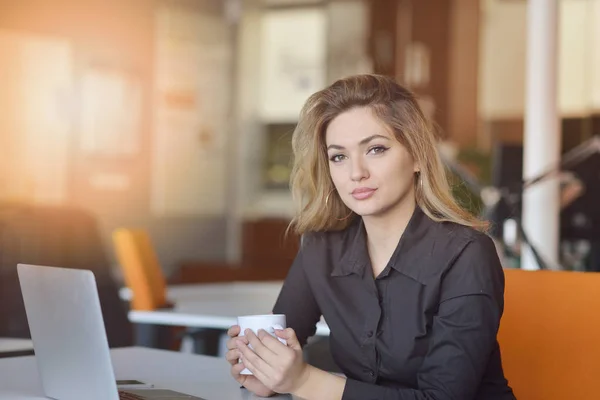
(410, 287)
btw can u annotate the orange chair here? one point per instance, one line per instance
(141, 269)
(144, 277)
(550, 334)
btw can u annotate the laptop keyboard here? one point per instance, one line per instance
(154, 394)
(129, 396)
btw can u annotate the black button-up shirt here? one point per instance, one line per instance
(425, 328)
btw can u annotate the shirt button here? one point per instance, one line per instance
(370, 334)
(371, 373)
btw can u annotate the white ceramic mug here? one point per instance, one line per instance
(267, 322)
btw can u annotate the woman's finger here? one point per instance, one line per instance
(233, 356)
(271, 343)
(233, 331)
(249, 356)
(259, 348)
(236, 369)
(256, 366)
(231, 343)
(290, 337)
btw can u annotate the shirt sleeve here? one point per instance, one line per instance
(463, 334)
(297, 302)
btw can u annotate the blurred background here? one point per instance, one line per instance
(174, 117)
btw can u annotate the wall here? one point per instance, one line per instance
(431, 26)
(502, 62)
(463, 118)
(503, 57)
(435, 49)
(251, 133)
(119, 34)
(34, 120)
(348, 25)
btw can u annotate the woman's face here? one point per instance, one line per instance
(373, 172)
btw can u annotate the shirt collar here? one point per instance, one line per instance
(355, 258)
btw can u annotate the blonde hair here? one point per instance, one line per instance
(319, 207)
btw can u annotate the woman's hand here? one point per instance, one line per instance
(233, 354)
(279, 367)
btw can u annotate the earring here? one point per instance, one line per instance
(420, 183)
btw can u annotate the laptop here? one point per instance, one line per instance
(69, 338)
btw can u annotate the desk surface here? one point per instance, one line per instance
(202, 376)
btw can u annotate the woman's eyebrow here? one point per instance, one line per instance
(362, 142)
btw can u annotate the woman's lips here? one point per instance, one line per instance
(363, 193)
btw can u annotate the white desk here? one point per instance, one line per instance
(193, 292)
(203, 315)
(214, 305)
(217, 308)
(200, 376)
(9, 345)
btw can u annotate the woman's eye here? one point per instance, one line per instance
(378, 149)
(336, 158)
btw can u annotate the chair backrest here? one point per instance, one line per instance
(550, 334)
(61, 236)
(141, 269)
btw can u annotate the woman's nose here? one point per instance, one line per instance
(359, 170)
